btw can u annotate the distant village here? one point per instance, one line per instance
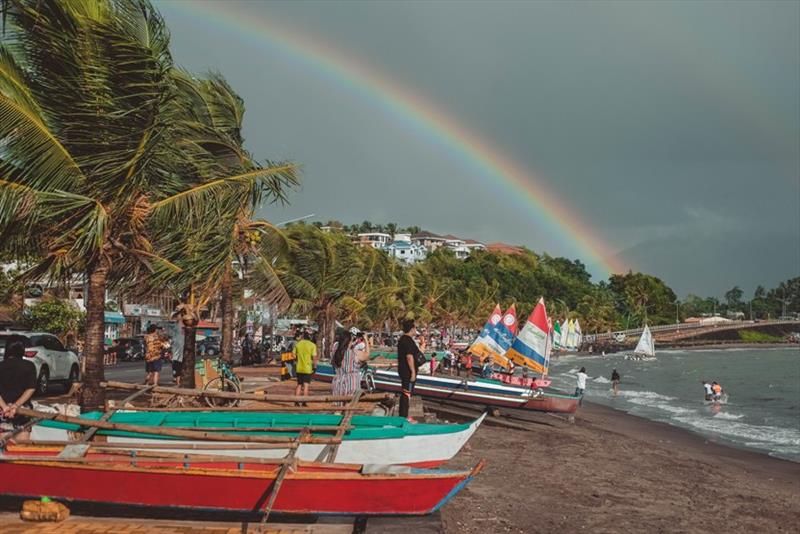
(413, 247)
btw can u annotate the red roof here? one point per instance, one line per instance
(504, 248)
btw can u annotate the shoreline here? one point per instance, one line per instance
(612, 471)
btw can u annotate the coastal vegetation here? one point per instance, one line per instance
(121, 171)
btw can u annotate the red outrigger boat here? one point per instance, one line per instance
(219, 484)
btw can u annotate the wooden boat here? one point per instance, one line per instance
(481, 391)
(368, 439)
(218, 484)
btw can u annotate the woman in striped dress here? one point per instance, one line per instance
(345, 365)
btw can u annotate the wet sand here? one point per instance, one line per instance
(615, 472)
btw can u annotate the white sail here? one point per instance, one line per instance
(646, 347)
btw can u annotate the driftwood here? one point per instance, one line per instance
(168, 432)
(265, 397)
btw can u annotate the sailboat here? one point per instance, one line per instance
(645, 349)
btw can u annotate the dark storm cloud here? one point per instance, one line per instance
(672, 127)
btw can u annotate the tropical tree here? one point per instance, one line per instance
(320, 272)
(89, 167)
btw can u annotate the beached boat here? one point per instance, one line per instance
(213, 484)
(370, 439)
(481, 391)
(645, 349)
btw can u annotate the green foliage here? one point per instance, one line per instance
(55, 316)
(642, 298)
(752, 336)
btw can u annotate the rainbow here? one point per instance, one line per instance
(525, 190)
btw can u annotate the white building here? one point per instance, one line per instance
(406, 251)
(374, 239)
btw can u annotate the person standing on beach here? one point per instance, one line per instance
(305, 354)
(17, 385)
(615, 382)
(581, 385)
(345, 365)
(408, 353)
(152, 355)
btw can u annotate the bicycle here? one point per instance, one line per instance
(367, 377)
(227, 382)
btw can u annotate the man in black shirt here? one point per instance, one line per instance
(407, 351)
(17, 384)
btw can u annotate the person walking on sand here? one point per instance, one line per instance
(615, 382)
(581, 385)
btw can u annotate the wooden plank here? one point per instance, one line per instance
(8, 436)
(345, 422)
(280, 409)
(276, 487)
(265, 397)
(185, 434)
(167, 445)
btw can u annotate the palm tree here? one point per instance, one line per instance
(224, 234)
(88, 165)
(320, 272)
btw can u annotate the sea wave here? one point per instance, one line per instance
(631, 394)
(602, 380)
(728, 416)
(751, 435)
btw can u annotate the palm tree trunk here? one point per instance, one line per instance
(92, 395)
(226, 347)
(189, 351)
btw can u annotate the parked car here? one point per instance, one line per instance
(53, 362)
(210, 346)
(133, 348)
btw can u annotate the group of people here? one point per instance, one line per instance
(712, 390)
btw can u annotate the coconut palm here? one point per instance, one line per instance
(320, 272)
(223, 233)
(88, 167)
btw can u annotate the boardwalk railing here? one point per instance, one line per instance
(684, 327)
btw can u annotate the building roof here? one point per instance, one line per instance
(504, 248)
(427, 235)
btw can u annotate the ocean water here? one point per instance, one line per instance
(763, 386)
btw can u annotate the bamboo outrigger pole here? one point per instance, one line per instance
(264, 397)
(175, 433)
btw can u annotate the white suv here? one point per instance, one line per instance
(53, 362)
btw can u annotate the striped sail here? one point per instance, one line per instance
(485, 344)
(531, 346)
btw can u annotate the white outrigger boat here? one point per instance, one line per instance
(368, 440)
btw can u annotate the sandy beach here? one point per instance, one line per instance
(614, 472)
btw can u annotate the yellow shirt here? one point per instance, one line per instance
(305, 351)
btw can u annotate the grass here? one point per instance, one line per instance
(751, 336)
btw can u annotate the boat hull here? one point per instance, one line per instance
(235, 488)
(474, 392)
(420, 450)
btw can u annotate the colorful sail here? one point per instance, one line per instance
(506, 329)
(578, 335)
(530, 347)
(557, 336)
(485, 344)
(564, 334)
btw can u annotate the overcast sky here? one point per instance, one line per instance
(671, 128)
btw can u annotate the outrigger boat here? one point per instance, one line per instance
(482, 391)
(367, 439)
(155, 480)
